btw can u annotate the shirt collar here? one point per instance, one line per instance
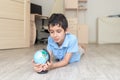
(65, 43)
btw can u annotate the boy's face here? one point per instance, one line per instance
(57, 33)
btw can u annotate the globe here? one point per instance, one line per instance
(41, 57)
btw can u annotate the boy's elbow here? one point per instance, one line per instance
(66, 63)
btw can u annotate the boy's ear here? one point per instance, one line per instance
(67, 30)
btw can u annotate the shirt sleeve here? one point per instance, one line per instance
(73, 46)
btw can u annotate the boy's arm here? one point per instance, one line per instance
(61, 63)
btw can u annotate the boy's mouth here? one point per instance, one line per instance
(56, 39)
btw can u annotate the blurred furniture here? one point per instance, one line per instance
(108, 30)
(38, 29)
(35, 9)
(76, 16)
(40, 34)
(14, 24)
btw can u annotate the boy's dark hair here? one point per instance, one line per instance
(58, 19)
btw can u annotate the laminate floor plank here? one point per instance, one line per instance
(100, 62)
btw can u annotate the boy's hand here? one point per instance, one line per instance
(37, 67)
(47, 66)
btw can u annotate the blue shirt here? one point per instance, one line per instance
(70, 45)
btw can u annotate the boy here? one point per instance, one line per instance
(61, 44)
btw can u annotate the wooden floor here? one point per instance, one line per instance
(101, 62)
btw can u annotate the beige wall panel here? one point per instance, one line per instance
(12, 9)
(73, 29)
(83, 34)
(72, 25)
(18, 0)
(12, 35)
(71, 4)
(14, 24)
(108, 30)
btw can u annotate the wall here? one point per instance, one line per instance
(99, 8)
(50, 6)
(96, 8)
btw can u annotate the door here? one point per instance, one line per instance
(14, 24)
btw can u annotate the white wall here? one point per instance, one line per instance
(99, 8)
(50, 6)
(46, 5)
(96, 8)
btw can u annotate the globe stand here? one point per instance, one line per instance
(43, 72)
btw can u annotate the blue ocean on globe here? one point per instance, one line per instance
(41, 57)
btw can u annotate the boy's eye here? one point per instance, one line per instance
(58, 31)
(51, 31)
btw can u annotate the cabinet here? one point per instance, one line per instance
(108, 30)
(14, 23)
(69, 2)
(72, 10)
(82, 4)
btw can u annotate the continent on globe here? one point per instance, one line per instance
(41, 56)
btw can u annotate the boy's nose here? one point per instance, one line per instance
(55, 34)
